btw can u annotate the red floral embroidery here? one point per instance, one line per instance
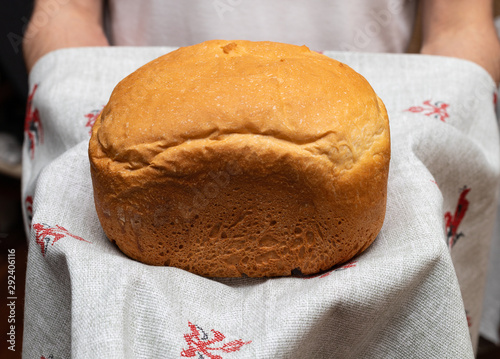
(453, 221)
(438, 109)
(200, 345)
(345, 266)
(45, 234)
(32, 125)
(28, 202)
(469, 319)
(91, 118)
(49, 357)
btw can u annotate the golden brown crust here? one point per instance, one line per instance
(233, 158)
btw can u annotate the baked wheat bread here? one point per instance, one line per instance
(232, 158)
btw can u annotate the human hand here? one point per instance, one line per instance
(462, 29)
(54, 26)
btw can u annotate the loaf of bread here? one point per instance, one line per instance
(239, 158)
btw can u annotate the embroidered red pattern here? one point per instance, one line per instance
(28, 203)
(46, 235)
(437, 109)
(345, 266)
(469, 319)
(32, 125)
(91, 118)
(452, 222)
(201, 347)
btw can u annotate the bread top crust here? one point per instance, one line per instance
(283, 94)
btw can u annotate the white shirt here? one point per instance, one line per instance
(346, 25)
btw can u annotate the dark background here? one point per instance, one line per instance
(14, 15)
